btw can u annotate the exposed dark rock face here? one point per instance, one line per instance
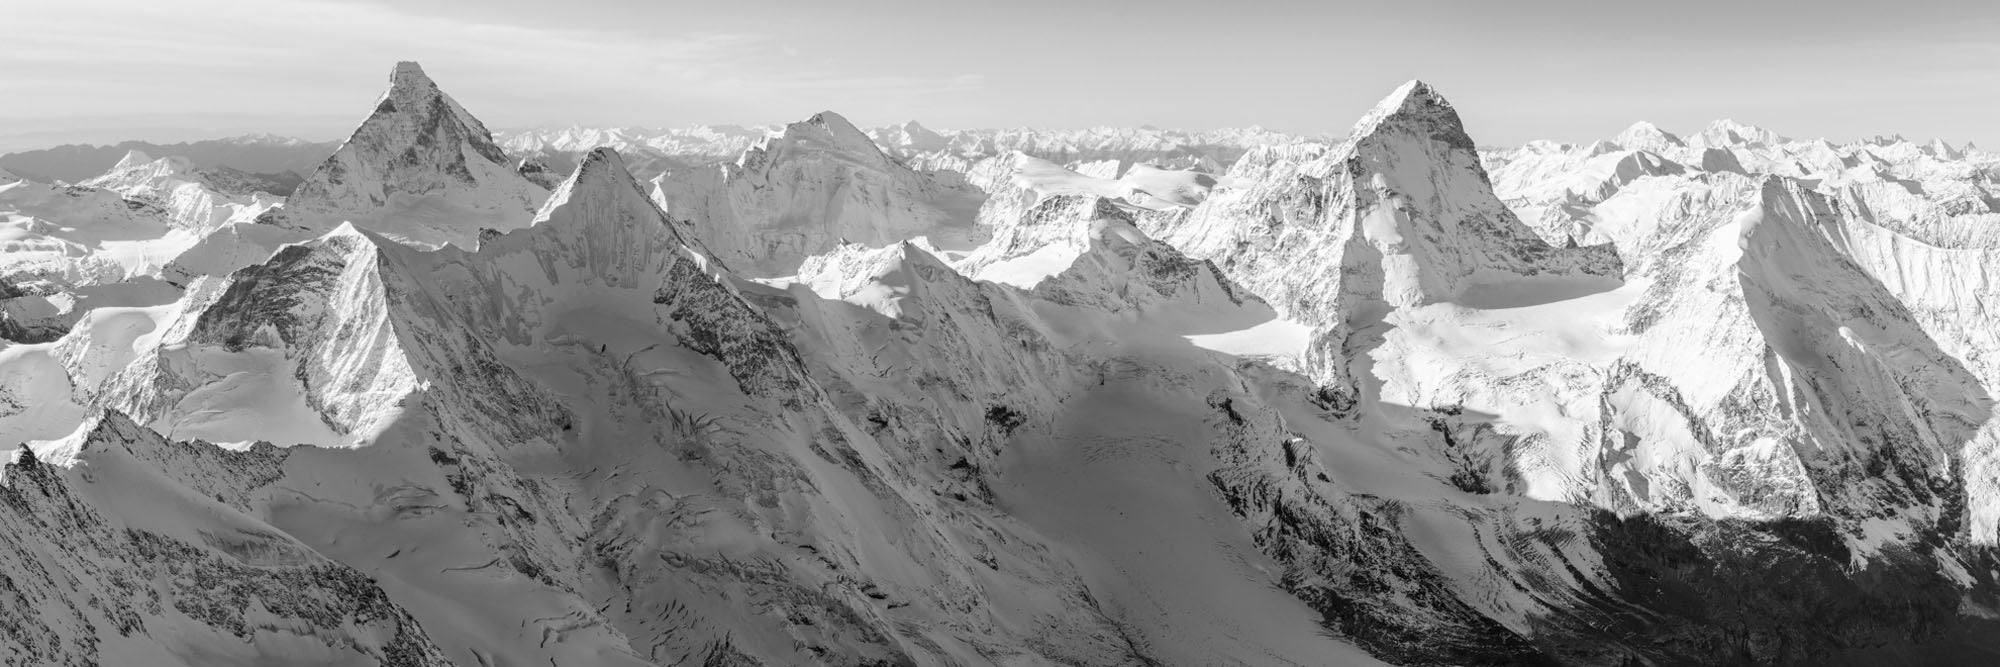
(78, 568)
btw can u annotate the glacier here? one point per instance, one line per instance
(816, 394)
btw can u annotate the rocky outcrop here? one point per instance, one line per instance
(418, 151)
(123, 548)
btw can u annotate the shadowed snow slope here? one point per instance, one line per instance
(127, 549)
(1340, 406)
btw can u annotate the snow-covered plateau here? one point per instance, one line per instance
(815, 394)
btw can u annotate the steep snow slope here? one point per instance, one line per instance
(690, 462)
(1751, 425)
(125, 549)
(1889, 207)
(1554, 389)
(1401, 215)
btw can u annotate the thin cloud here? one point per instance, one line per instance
(162, 60)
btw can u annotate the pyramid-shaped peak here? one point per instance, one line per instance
(411, 91)
(602, 170)
(836, 124)
(133, 158)
(1414, 96)
(418, 149)
(601, 162)
(601, 176)
(1417, 104)
(348, 237)
(1941, 149)
(829, 129)
(409, 75)
(913, 254)
(107, 428)
(139, 173)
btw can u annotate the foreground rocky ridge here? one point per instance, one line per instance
(607, 435)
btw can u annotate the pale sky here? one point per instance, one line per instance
(101, 71)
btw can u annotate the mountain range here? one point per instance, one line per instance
(815, 394)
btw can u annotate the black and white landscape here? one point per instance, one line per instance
(821, 394)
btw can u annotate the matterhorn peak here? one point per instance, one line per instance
(409, 74)
(416, 154)
(411, 88)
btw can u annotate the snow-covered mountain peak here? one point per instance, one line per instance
(833, 122)
(816, 185)
(1415, 102)
(910, 138)
(1940, 149)
(1172, 412)
(828, 130)
(1729, 132)
(409, 73)
(139, 170)
(104, 428)
(412, 90)
(141, 176)
(601, 170)
(602, 191)
(419, 168)
(132, 160)
(1648, 137)
(890, 280)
